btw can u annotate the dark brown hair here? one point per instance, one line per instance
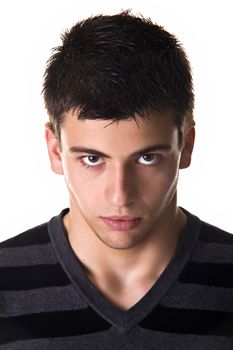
(114, 67)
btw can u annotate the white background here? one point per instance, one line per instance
(29, 192)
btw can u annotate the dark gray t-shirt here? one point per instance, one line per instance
(47, 302)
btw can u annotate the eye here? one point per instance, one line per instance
(91, 161)
(149, 159)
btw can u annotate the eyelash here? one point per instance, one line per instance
(87, 166)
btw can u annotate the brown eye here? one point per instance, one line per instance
(92, 160)
(149, 158)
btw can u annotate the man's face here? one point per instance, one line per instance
(121, 176)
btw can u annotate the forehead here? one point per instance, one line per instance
(122, 134)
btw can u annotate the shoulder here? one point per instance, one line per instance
(212, 251)
(207, 242)
(210, 265)
(31, 247)
(211, 261)
(28, 261)
(36, 235)
(212, 234)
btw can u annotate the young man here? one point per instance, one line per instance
(124, 267)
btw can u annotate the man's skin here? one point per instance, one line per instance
(129, 170)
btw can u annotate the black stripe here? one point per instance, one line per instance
(199, 322)
(31, 277)
(36, 235)
(213, 234)
(219, 275)
(51, 324)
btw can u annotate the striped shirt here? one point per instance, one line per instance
(47, 301)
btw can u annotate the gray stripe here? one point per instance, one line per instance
(13, 303)
(213, 253)
(94, 341)
(30, 255)
(192, 296)
(173, 341)
(146, 339)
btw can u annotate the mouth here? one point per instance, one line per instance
(121, 223)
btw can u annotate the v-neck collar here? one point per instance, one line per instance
(122, 320)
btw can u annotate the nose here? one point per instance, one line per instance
(120, 187)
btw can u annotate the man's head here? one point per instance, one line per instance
(116, 67)
(119, 96)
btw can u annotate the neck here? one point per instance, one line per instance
(147, 259)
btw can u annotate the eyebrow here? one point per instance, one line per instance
(158, 147)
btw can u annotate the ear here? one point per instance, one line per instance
(54, 150)
(187, 148)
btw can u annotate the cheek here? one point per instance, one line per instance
(160, 184)
(72, 177)
(82, 185)
(170, 182)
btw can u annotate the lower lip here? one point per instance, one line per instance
(121, 225)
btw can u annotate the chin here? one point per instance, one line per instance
(120, 240)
